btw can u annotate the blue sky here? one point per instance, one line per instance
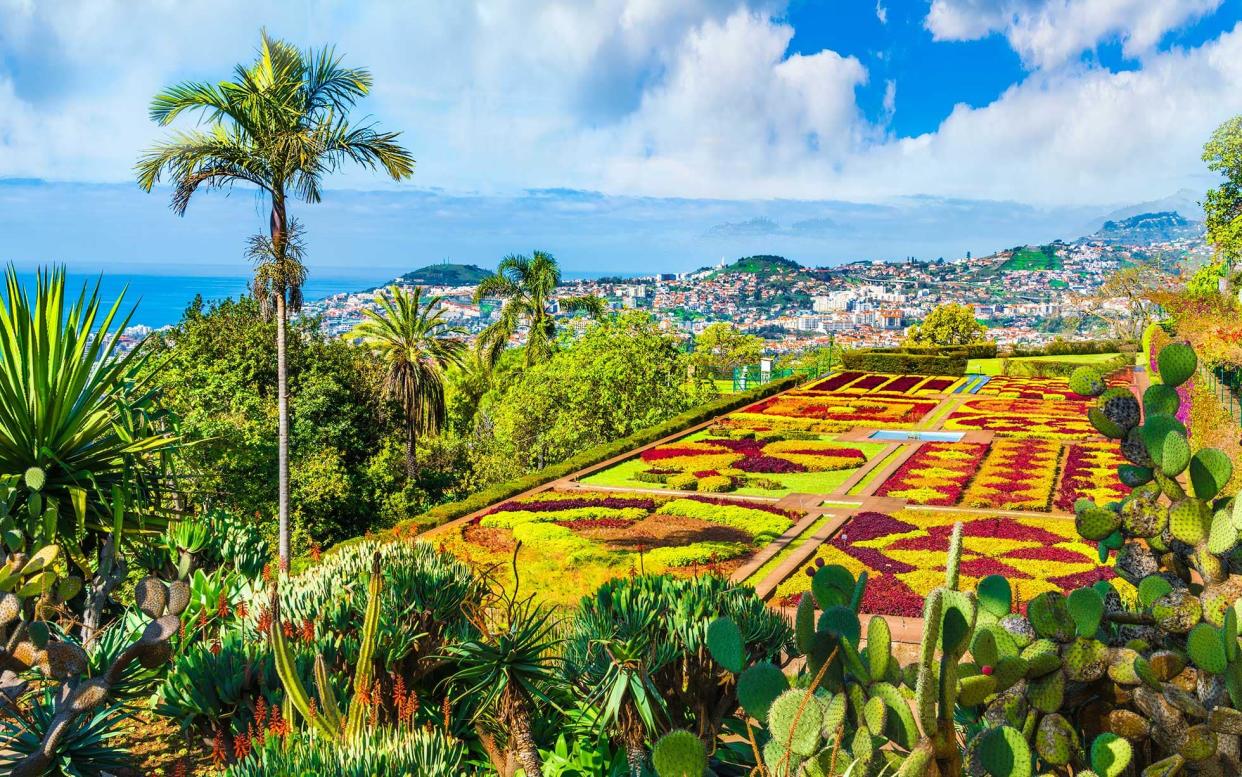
(635, 135)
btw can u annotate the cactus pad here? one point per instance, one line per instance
(1177, 611)
(1110, 755)
(1155, 430)
(1087, 381)
(1121, 407)
(1199, 745)
(1206, 648)
(1189, 521)
(1222, 535)
(679, 754)
(1085, 660)
(1050, 616)
(1086, 607)
(995, 595)
(1003, 752)
(834, 716)
(1175, 454)
(795, 720)
(1176, 363)
(1092, 521)
(1135, 451)
(1160, 399)
(832, 585)
(1152, 588)
(151, 595)
(1055, 740)
(879, 640)
(1104, 425)
(974, 690)
(1210, 471)
(1041, 657)
(758, 687)
(1144, 517)
(1133, 476)
(1046, 693)
(724, 642)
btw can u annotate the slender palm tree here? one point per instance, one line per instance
(417, 346)
(281, 126)
(526, 285)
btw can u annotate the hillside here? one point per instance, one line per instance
(1032, 258)
(763, 264)
(1148, 228)
(445, 275)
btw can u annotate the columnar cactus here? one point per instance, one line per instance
(326, 717)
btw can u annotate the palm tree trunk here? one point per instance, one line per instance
(277, 225)
(282, 405)
(411, 451)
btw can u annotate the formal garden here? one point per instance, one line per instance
(243, 547)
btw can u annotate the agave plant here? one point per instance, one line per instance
(78, 422)
(87, 748)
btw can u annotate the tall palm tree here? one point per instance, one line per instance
(526, 284)
(281, 126)
(417, 346)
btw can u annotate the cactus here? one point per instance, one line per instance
(679, 753)
(1176, 363)
(795, 721)
(1121, 407)
(1086, 608)
(326, 717)
(1160, 399)
(1210, 472)
(724, 642)
(1110, 755)
(1003, 752)
(1087, 382)
(758, 687)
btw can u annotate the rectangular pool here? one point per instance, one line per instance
(909, 435)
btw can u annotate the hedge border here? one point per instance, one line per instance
(442, 514)
(1021, 368)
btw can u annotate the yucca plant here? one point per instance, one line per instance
(87, 748)
(81, 430)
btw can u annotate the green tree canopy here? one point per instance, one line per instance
(948, 324)
(622, 375)
(721, 347)
(1223, 204)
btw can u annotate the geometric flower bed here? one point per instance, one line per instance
(935, 474)
(571, 541)
(904, 556)
(1091, 473)
(1065, 419)
(736, 459)
(875, 383)
(1017, 474)
(831, 413)
(1038, 388)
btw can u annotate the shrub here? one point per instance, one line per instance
(509, 518)
(1023, 368)
(683, 482)
(212, 686)
(766, 483)
(698, 553)
(651, 477)
(905, 362)
(88, 748)
(764, 526)
(421, 752)
(715, 484)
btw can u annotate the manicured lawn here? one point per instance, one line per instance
(1040, 258)
(996, 366)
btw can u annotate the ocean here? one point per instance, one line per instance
(159, 300)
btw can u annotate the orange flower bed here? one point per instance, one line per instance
(1017, 474)
(1064, 419)
(935, 474)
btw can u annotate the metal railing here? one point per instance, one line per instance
(1226, 383)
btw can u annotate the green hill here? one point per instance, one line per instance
(446, 275)
(763, 264)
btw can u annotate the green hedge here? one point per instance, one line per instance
(1025, 368)
(442, 514)
(985, 350)
(904, 363)
(1077, 348)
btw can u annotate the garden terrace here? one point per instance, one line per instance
(766, 493)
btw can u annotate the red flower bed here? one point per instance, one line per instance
(1091, 472)
(555, 505)
(938, 384)
(836, 381)
(903, 383)
(662, 452)
(869, 382)
(768, 465)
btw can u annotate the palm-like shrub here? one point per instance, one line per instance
(638, 648)
(77, 423)
(89, 747)
(506, 673)
(416, 345)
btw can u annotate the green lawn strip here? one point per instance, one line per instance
(985, 366)
(762, 572)
(875, 470)
(938, 415)
(622, 475)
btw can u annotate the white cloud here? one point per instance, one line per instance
(688, 98)
(1048, 33)
(881, 12)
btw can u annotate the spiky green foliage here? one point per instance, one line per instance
(424, 753)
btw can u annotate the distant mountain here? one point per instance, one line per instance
(1148, 228)
(763, 264)
(445, 275)
(1184, 203)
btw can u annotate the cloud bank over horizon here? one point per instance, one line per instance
(1102, 103)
